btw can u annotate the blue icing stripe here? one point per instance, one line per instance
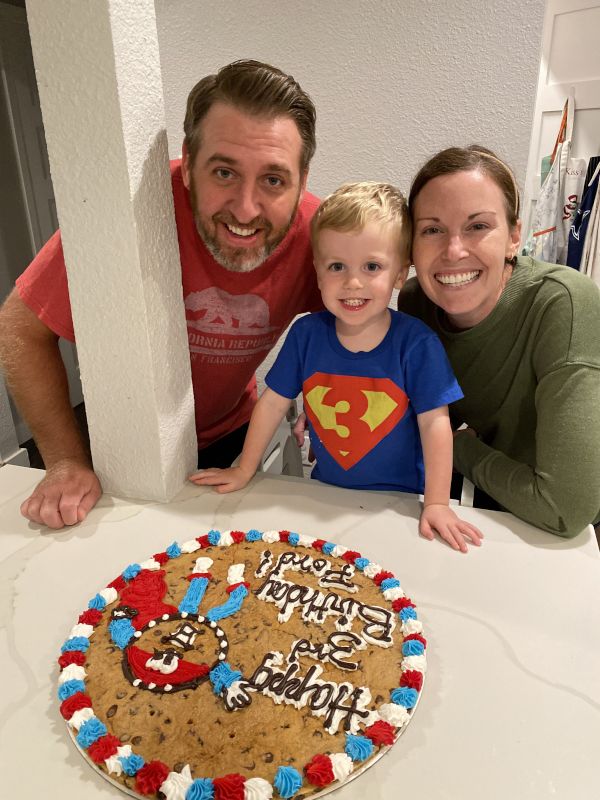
(287, 781)
(328, 548)
(131, 764)
(200, 789)
(130, 572)
(173, 550)
(389, 583)
(233, 605)
(75, 643)
(404, 696)
(253, 535)
(413, 648)
(193, 596)
(293, 539)
(69, 688)
(361, 563)
(214, 536)
(97, 602)
(91, 730)
(222, 676)
(358, 747)
(121, 631)
(408, 613)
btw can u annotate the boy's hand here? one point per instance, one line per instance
(440, 519)
(224, 480)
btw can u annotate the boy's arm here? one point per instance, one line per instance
(437, 516)
(268, 413)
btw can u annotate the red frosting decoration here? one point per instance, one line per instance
(318, 544)
(203, 541)
(72, 657)
(75, 703)
(381, 576)
(284, 536)
(417, 637)
(229, 787)
(145, 593)
(380, 732)
(118, 584)
(103, 748)
(319, 770)
(238, 536)
(206, 575)
(233, 586)
(151, 777)
(402, 602)
(351, 556)
(162, 558)
(186, 670)
(412, 678)
(90, 617)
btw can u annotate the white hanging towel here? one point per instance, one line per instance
(590, 258)
(559, 196)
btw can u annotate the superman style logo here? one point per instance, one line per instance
(351, 415)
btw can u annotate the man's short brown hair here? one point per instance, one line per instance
(257, 89)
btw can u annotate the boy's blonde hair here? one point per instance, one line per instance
(354, 205)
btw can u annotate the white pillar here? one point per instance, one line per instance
(98, 72)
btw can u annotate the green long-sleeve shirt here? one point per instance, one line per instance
(530, 373)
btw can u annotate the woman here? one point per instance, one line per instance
(522, 337)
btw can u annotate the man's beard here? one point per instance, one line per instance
(240, 259)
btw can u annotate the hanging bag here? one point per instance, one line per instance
(559, 196)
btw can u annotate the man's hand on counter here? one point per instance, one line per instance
(65, 496)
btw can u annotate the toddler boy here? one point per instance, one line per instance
(376, 383)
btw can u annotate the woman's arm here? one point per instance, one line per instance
(561, 493)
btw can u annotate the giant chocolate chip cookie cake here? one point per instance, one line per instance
(242, 666)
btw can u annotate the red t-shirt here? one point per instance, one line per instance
(233, 318)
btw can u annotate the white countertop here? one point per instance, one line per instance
(511, 704)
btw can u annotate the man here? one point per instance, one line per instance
(242, 216)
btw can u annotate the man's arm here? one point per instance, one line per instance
(36, 377)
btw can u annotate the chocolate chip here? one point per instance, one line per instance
(152, 712)
(179, 766)
(190, 722)
(136, 740)
(232, 735)
(121, 695)
(249, 767)
(267, 758)
(133, 712)
(161, 738)
(111, 711)
(167, 721)
(379, 699)
(318, 734)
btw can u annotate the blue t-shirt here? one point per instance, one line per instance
(362, 407)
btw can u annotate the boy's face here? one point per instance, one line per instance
(356, 273)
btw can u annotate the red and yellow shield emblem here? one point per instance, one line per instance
(351, 415)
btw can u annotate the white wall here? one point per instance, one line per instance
(393, 80)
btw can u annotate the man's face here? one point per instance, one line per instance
(245, 184)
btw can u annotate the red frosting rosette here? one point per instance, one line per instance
(319, 770)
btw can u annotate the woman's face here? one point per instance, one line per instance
(461, 240)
